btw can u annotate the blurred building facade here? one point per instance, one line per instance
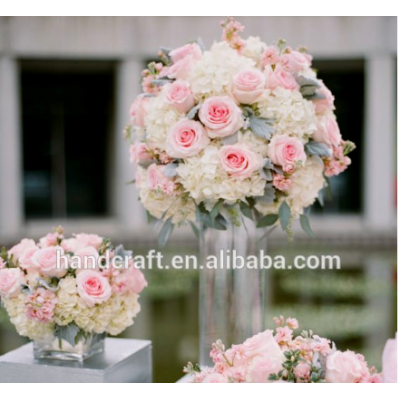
(66, 84)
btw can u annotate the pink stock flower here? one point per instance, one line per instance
(156, 179)
(321, 345)
(262, 367)
(281, 183)
(279, 77)
(93, 288)
(179, 95)
(248, 85)
(221, 116)
(239, 161)
(230, 34)
(186, 138)
(302, 371)
(286, 151)
(11, 280)
(294, 61)
(139, 109)
(292, 323)
(283, 335)
(270, 56)
(337, 163)
(40, 305)
(140, 153)
(46, 261)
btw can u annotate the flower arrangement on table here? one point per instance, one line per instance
(244, 129)
(44, 301)
(279, 357)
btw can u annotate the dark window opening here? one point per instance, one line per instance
(67, 117)
(345, 78)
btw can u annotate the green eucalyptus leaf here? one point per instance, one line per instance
(305, 224)
(317, 149)
(165, 232)
(268, 196)
(195, 229)
(261, 127)
(67, 333)
(284, 215)
(246, 210)
(268, 220)
(230, 139)
(192, 113)
(170, 170)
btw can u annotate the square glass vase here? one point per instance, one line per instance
(54, 348)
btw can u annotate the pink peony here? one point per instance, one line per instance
(140, 153)
(40, 305)
(46, 261)
(139, 110)
(248, 85)
(279, 77)
(328, 131)
(93, 288)
(186, 138)
(286, 151)
(294, 61)
(11, 280)
(179, 95)
(221, 116)
(239, 161)
(344, 367)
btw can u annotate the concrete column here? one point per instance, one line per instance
(11, 197)
(126, 207)
(380, 142)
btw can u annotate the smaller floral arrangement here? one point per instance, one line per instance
(279, 357)
(44, 301)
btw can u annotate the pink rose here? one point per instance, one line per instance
(344, 367)
(262, 367)
(328, 131)
(21, 247)
(326, 104)
(89, 240)
(278, 77)
(270, 56)
(156, 179)
(389, 361)
(134, 279)
(11, 280)
(248, 85)
(139, 110)
(181, 69)
(93, 288)
(49, 240)
(294, 61)
(262, 343)
(190, 49)
(46, 261)
(25, 260)
(40, 305)
(88, 258)
(221, 116)
(286, 151)
(239, 161)
(179, 95)
(140, 153)
(186, 138)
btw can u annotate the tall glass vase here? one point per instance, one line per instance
(231, 299)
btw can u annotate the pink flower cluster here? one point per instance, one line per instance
(281, 357)
(29, 273)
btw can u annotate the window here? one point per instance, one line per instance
(67, 118)
(345, 78)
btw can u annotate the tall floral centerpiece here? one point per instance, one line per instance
(67, 307)
(232, 139)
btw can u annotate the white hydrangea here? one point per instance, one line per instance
(212, 75)
(66, 309)
(306, 184)
(254, 49)
(16, 310)
(292, 114)
(205, 180)
(157, 203)
(159, 119)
